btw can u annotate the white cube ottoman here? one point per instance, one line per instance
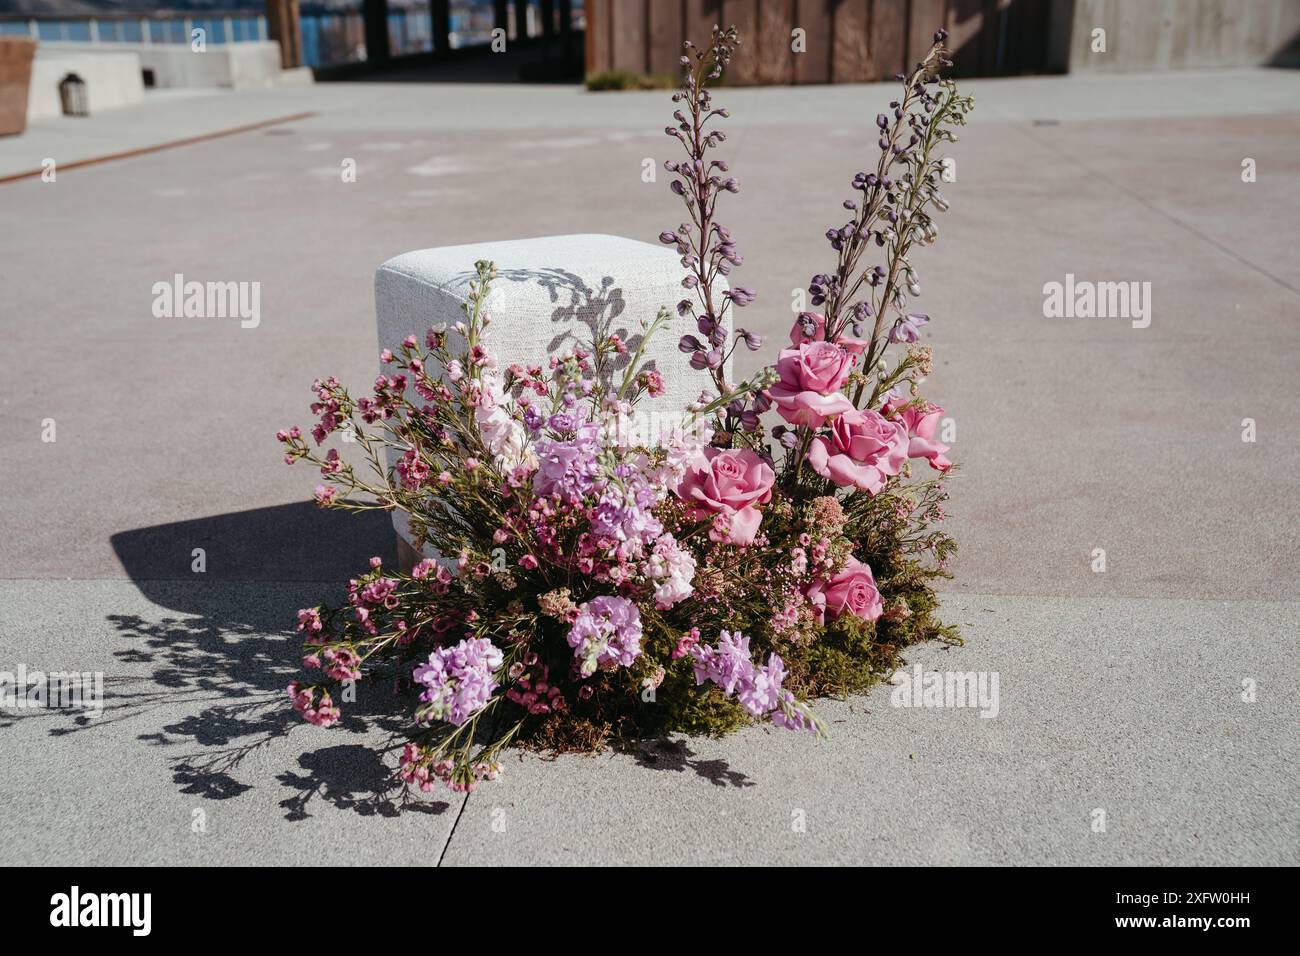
(550, 294)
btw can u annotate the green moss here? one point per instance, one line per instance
(848, 656)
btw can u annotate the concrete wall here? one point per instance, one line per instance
(1178, 34)
(113, 80)
(232, 65)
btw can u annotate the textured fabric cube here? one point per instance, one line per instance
(550, 294)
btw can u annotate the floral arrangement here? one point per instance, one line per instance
(596, 586)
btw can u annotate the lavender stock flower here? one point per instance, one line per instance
(607, 631)
(757, 689)
(568, 467)
(458, 681)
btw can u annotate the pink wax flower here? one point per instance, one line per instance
(687, 641)
(342, 664)
(810, 379)
(731, 482)
(817, 323)
(863, 449)
(380, 591)
(921, 419)
(851, 591)
(413, 469)
(325, 495)
(326, 714)
(652, 382)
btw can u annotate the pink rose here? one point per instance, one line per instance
(920, 418)
(811, 375)
(862, 449)
(797, 337)
(852, 591)
(730, 482)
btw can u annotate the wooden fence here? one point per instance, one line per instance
(846, 41)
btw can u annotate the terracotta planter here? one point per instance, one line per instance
(16, 55)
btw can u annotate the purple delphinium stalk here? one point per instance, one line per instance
(459, 680)
(907, 329)
(707, 248)
(607, 631)
(892, 212)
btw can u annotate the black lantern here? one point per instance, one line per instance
(72, 93)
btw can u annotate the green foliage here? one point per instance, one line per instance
(607, 80)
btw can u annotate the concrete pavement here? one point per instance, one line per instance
(1132, 708)
(1120, 691)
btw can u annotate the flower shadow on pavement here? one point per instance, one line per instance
(230, 651)
(226, 655)
(676, 756)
